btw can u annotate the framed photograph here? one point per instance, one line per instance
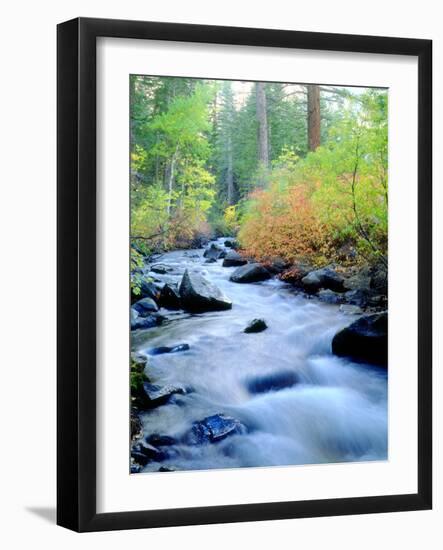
(244, 274)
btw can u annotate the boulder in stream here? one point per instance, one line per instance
(250, 273)
(323, 278)
(256, 325)
(169, 297)
(365, 340)
(214, 252)
(213, 428)
(199, 295)
(233, 259)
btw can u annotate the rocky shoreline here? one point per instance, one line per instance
(361, 293)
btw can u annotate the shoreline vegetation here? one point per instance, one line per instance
(279, 181)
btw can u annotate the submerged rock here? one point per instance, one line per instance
(365, 340)
(233, 259)
(323, 278)
(256, 325)
(250, 273)
(213, 428)
(145, 306)
(199, 295)
(272, 382)
(210, 261)
(166, 349)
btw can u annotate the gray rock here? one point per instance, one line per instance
(199, 295)
(250, 273)
(233, 259)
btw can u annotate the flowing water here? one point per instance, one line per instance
(336, 412)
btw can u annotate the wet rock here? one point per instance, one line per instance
(359, 281)
(256, 325)
(365, 340)
(277, 266)
(214, 252)
(145, 307)
(199, 295)
(141, 323)
(158, 440)
(231, 243)
(135, 468)
(272, 382)
(140, 459)
(154, 395)
(166, 469)
(326, 278)
(166, 349)
(294, 274)
(250, 273)
(169, 297)
(148, 289)
(233, 259)
(136, 426)
(358, 297)
(148, 452)
(379, 279)
(210, 261)
(330, 297)
(350, 309)
(161, 269)
(213, 428)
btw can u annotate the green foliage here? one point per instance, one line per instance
(137, 377)
(338, 192)
(195, 169)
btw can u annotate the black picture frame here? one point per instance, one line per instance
(76, 294)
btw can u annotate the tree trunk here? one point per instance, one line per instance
(230, 174)
(313, 117)
(171, 180)
(262, 119)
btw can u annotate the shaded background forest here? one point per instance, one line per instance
(298, 172)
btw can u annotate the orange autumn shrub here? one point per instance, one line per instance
(284, 223)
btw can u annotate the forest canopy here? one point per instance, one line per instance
(293, 171)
